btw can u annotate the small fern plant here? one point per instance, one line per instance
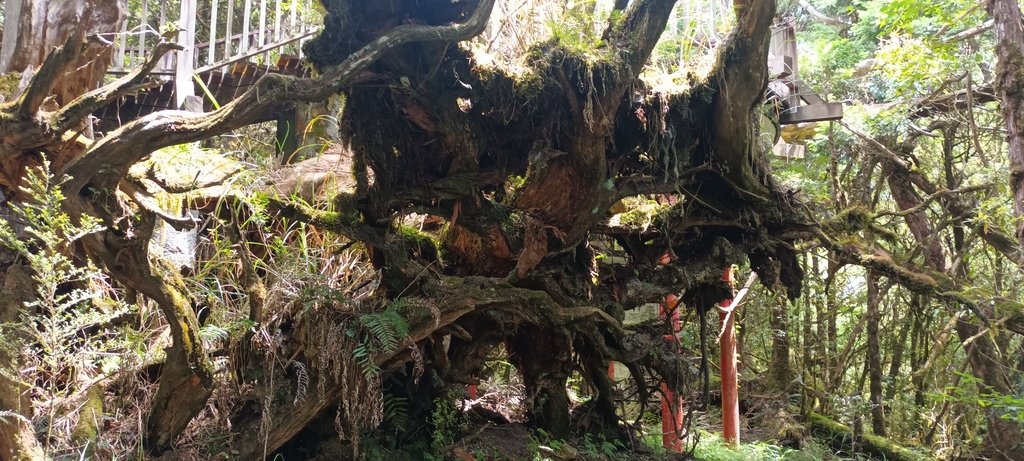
(384, 331)
(48, 337)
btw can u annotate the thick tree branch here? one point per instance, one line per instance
(939, 194)
(968, 33)
(643, 25)
(955, 101)
(186, 380)
(68, 117)
(340, 222)
(960, 212)
(52, 68)
(744, 77)
(822, 16)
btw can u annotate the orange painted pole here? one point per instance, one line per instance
(671, 404)
(671, 420)
(730, 391)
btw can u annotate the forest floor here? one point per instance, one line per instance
(769, 432)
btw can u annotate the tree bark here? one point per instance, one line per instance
(1003, 440)
(32, 28)
(874, 356)
(18, 439)
(543, 359)
(778, 321)
(1009, 84)
(898, 347)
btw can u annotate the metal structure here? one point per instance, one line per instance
(227, 46)
(799, 104)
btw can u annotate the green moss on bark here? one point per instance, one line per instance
(840, 436)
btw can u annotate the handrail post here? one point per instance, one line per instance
(183, 68)
(672, 405)
(143, 26)
(229, 28)
(730, 396)
(246, 12)
(211, 53)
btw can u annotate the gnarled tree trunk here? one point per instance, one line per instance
(1009, 84)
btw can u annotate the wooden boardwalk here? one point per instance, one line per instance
(227, 46)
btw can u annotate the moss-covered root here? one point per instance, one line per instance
(186, 381)
(87, 428)
(841, 437)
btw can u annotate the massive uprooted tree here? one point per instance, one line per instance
(521, 160)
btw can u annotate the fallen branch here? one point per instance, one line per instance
(841, 437)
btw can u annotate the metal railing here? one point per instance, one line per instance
(213, 33)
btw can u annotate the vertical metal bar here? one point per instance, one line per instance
(247, 11)
(183, 69)
(165, 63)
(229, 25)
(277, 20)
(143, 30)
(262, 34)
(291, 20)
(211, 54)
(122, 44)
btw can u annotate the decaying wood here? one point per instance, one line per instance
(18, 439)
(42, 25)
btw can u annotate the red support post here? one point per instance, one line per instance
(471, 388)
(671, 404)
(730, 392)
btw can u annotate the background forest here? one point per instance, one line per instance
(449, 236)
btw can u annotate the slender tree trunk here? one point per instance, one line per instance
(821, 351)
(918, 355)
(1009, 84)
(1003, 438)
(807, 366)
(898, 347)
(874, 356)
(779, 323)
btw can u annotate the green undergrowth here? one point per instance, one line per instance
(712, 447)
